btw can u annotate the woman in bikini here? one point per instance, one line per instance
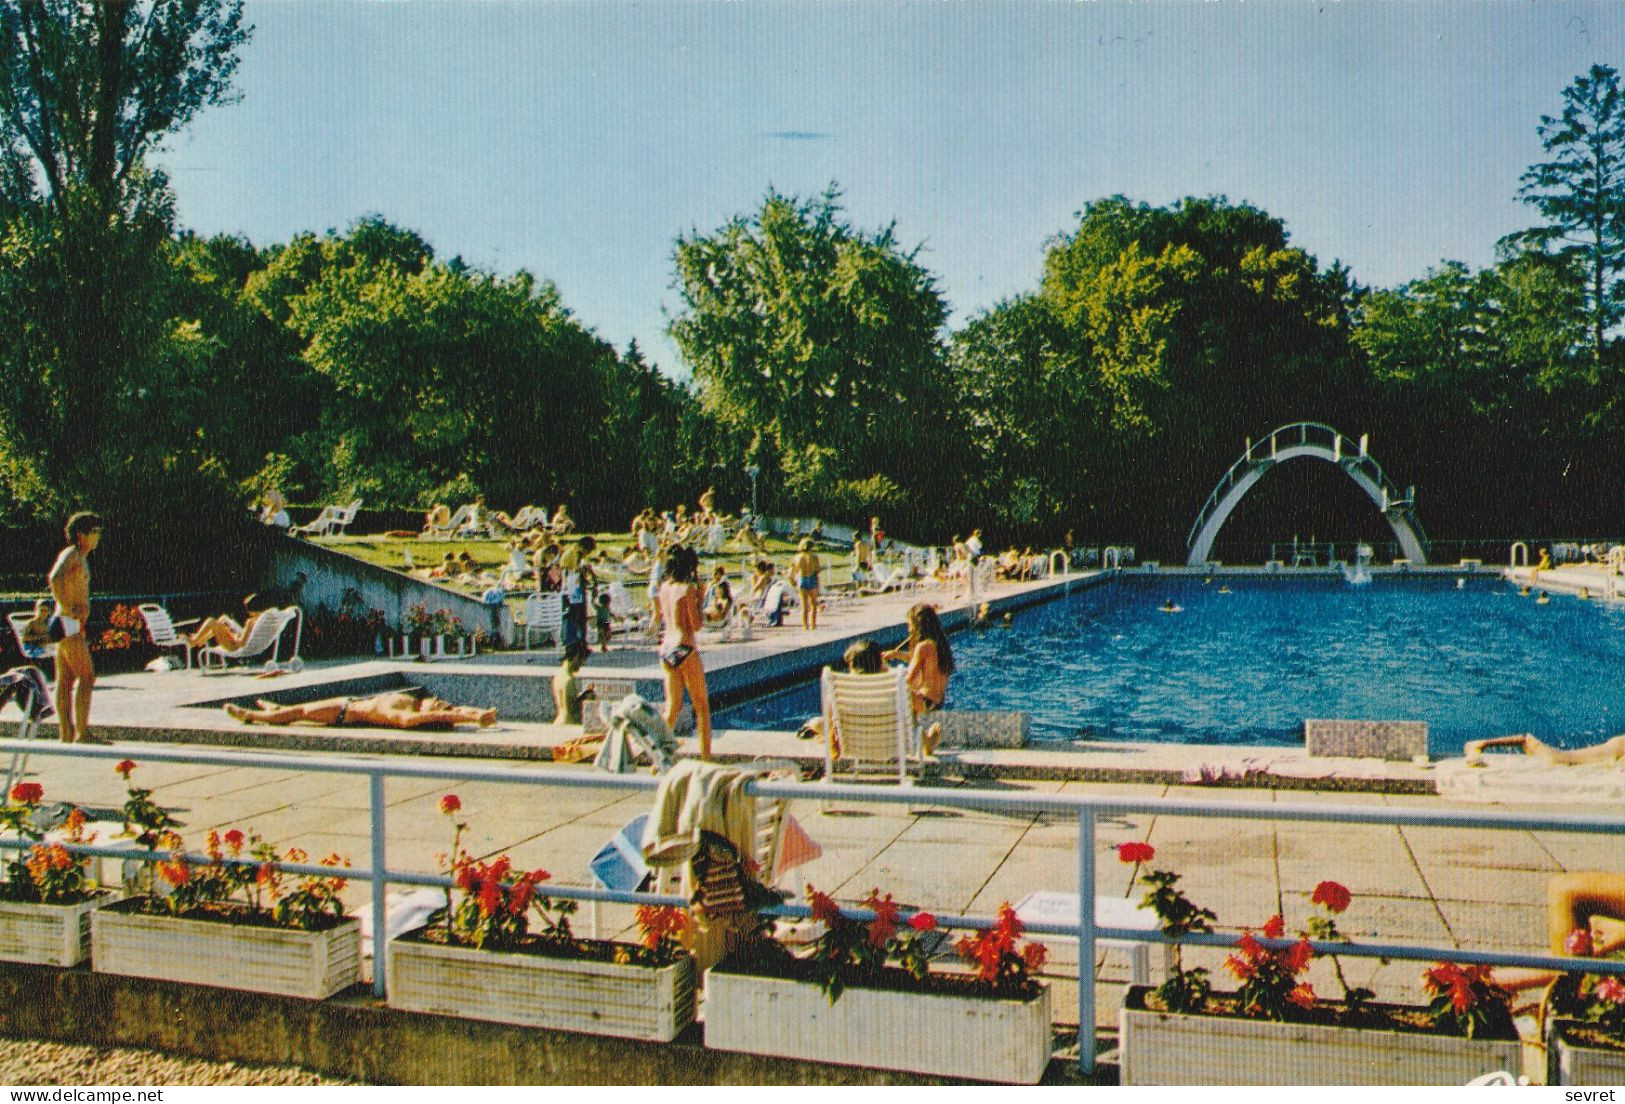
(930, 662)
(224, 632)
(806, 568)
(677, 613)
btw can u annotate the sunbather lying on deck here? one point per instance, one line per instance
(1609, 751)
(396, 710)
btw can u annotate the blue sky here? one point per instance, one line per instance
(578, 140)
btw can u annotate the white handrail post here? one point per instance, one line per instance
(1364, 441)
(380, 926)
(1086, 941)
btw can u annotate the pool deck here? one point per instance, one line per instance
(1481, 889)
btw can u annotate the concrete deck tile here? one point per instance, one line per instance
(1314, 844)
(1376, 917)
(1511, 849)
(1582, 851)
(1467, 882)
(1358, 875)
(994, 836)
(1503, 925)
(937, 876)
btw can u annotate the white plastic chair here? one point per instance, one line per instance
(544, 613)
(161, 630)
(871, 716)
(264, 636)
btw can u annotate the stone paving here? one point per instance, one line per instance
(1434, 886)
(1468, 888)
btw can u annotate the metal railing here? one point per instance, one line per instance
(1085, 809)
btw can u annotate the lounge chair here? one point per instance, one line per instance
(451, 526)
(530, 517)
(29, 688)
(874, 722)
(331, 521)
(265, 636)
(627, 614)
(886, 582)
(161, 630)
(544, 615)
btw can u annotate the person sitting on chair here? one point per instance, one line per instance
(1609, 751)
(1585, 918)
(36, 631)
(395, 710)
(225, 632)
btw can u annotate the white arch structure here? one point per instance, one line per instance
(1319, 442)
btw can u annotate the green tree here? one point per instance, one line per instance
(821, 343)
(1580, 192)
(1196, 326)
(92, 352)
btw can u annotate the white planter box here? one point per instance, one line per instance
(1159, 1048)
(948, 1036)
(569, 994)
(47, 935)
(1579, 1063)
(283, 961)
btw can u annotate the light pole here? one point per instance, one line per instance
(754, 470)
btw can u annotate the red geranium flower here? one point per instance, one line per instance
(1579, 943)
(1274, 927)
(1333, 895)
(450, 804)
(923, 922)
(1611, 989)
(1297, 957)
(1035, 955)
(1135, 852)
(1303, 996)
(823, 906)
(124, 767)
(27, 793)
(1239, 967)
(234, 840)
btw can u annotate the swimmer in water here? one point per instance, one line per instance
(1523, 592)
(1543, 599)
(1584, 594)
(1224, 590)
(1169, 607)
(1461, 583)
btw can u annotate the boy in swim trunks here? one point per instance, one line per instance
(70, 586)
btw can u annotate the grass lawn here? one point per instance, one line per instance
(492, 555)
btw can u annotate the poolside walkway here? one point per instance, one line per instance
(1481, 889)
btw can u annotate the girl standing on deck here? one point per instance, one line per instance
(930, 662)
(678, 617)
(806, 568)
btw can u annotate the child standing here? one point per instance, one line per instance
(806, 569)
(602, 618)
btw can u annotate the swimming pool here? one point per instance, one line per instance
(1247, 666)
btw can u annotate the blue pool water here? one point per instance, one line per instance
(1247, 667)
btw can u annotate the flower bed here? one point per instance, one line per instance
(581, 985)
(1221, 1047)
(48, 895)
(481, 960)
(865, 995)
(237, 921)
(1586, 1021)
(1275, 1030)
(226, 950)
(945, 1030)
